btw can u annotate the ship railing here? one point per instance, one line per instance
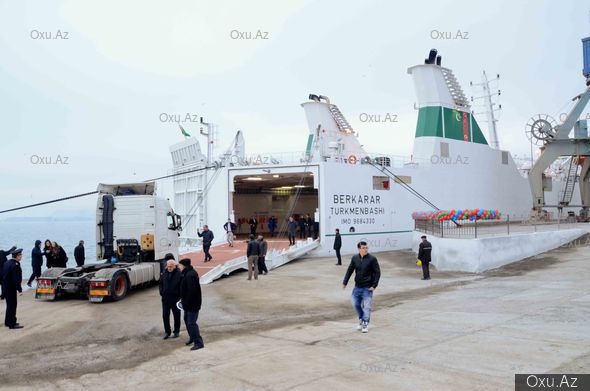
(507, 225)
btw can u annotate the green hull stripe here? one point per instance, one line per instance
(458, 125)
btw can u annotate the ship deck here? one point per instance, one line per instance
(222, 253)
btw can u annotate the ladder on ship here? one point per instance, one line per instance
(341, 122)
(572, 176)
(455, 88)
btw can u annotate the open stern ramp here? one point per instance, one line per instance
(274, 259)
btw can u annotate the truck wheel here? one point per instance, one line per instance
(119, 286)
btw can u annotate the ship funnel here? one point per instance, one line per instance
(328, 125)
(444, 110)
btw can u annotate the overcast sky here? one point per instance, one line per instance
(101, 95)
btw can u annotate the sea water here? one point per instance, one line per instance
(66, 233)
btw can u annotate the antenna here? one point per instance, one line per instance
(489, 105)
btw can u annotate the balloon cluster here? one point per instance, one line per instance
(460, 214)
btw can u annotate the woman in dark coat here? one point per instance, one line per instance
(48, 252)
(61, 259)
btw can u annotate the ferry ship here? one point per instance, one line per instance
(371, 196)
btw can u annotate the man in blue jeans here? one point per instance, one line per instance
(366, 279)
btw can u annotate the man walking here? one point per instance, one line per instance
(424, 255)
(262, 256)
(190, 296)
(79, 255)
(170, 293)
(230, 228)
(309, 225)
(366, 279)
(272, 225)
(253, 252)
(36, 262)
(338, 246)
(11, 284)
(253, 225)
(3, 259)
(291, 230)
(207, 236)
(301, 227)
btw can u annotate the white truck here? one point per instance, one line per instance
(135, 229)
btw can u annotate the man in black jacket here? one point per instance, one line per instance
(11, 284)
(253, 225)
(3, 259)
(338, 246)
(367, 274)
(252, 253)
(170, 292)
(263, 244)
(36, 262)
(190, 294)
(207, 236)
(424, 251)
(79, 255)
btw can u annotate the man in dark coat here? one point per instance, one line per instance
(302, 222)
(262, 256)
(3, 260)
(424, 255)
(309, 225)
(291, 230)
(170, 292)
(36, 262)
(207, 236)
(252, 253)
(79, 255)
(190, 295)
(11, 284)
(253, 225)
(367, 274)
(338, 246)
(272, 225)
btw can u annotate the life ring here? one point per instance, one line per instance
(352, 159)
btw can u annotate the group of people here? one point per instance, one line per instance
(256, 254)
(11, 272)
(180, 289)
(304, 225)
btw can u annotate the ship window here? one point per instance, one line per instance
(380, 183)
(444, 149)
(403, 178)
(504, 157)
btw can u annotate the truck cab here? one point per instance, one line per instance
(135, 229)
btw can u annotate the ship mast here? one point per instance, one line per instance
(489, 107)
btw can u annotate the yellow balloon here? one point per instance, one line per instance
(419, 262)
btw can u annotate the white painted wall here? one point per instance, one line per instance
(479, 255)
